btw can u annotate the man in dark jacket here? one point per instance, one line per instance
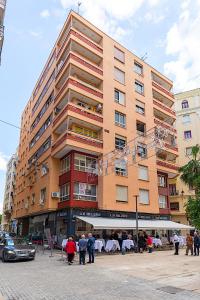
(91, 248)
(196, 243)
(82, 249)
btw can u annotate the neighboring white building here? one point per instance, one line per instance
(9, 192)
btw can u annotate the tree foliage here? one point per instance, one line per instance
(190, 175)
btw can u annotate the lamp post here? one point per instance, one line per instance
(136, 219)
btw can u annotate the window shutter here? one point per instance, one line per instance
(121, 193)
(119, 54)
(144, 196)
(143, 173)
(119, 75)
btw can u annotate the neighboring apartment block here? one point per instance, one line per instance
(9, 192)
(187, 107)
(92, 98)
(2, 14)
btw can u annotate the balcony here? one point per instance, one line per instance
(79, 79)
(82, 33)
(165, 125)
(164, 118)
(71, 56)
(77, 134)
(164, 108)
(166, 162)
(162, 85)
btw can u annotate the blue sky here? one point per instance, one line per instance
(168, 31)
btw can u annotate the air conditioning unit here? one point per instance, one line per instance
(55, 195)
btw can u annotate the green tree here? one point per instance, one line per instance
(190, 175)
(0, 218)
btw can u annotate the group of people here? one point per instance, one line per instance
(85, 245)
(192, 244)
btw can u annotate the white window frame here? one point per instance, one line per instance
(121, 98)
(86, 164)
(84, 195)
(137, 85)
(64, 192)
(121, 117)
(142, 201)
(121, 167)
(65, 165)
(162, 201)
(43, 195)
(122, 198)
(138, 68)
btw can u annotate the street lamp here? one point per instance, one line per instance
(136, 219)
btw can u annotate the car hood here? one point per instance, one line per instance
(20, 247)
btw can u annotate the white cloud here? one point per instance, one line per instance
(35, 34)
(107, 14)
(3, 161)
(45, 13)
(183, 44)
(153, 17)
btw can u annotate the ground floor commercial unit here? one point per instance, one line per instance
(76, 221)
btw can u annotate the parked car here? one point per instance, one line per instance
(16, 249)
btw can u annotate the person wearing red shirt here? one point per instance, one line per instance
(149, 243)
(70, 250)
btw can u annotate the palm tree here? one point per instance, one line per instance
(190, 173)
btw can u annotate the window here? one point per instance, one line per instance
(138, 68)
(185, 104)
(174, 205)
(119, 75)
(64, 192)
(118, 54)
(186, 119)
(143, 172)
(187, 134)
(188, 151)
(65, 165)
(121, 167)
(162, 201)
(121, 193)
(140, 107)
(120, 119)
(120, 142)
(33, 199)
(84, 191)
(172, 190)
(84, 163)
(141, 150)
(162, 181)
(45, 146)
(141, 128)
(42, 196)
(42, 129)
(143, 196)
(139, 87)
(119, 97)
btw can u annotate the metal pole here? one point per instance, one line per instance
(136, 218)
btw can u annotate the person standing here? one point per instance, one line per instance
(70, 250)
(189, 244)
(82, 249)
(150, 243)
(176, 244)
(196, 243)
(91, 248)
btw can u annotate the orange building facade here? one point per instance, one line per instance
(94, 100)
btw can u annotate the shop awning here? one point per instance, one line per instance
(120, 223)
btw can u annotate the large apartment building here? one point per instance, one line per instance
(187, 107)
(9, 193)
(2, 14)
(94, 99)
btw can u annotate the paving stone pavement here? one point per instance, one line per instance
(52, 279)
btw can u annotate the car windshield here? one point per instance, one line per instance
(16, 241)
(10, 242)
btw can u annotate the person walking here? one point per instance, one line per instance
(150, 243)
(141, 243)
(70, 250)
(189, 244)
(196, 243)
(82, 249)
(91, 248)
(176, 244)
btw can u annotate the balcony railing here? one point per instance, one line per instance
(167, 165)
(78, 138)
(172, 147)
(163, 124)
(80, 61)
(164, 107)
(79, 84)
(78, 110)
(80, 37)
(162, 89)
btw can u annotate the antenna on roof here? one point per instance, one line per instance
(145, 56)
(79, 4)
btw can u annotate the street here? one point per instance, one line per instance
(159, 275)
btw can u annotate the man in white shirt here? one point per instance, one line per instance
(176, 243)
